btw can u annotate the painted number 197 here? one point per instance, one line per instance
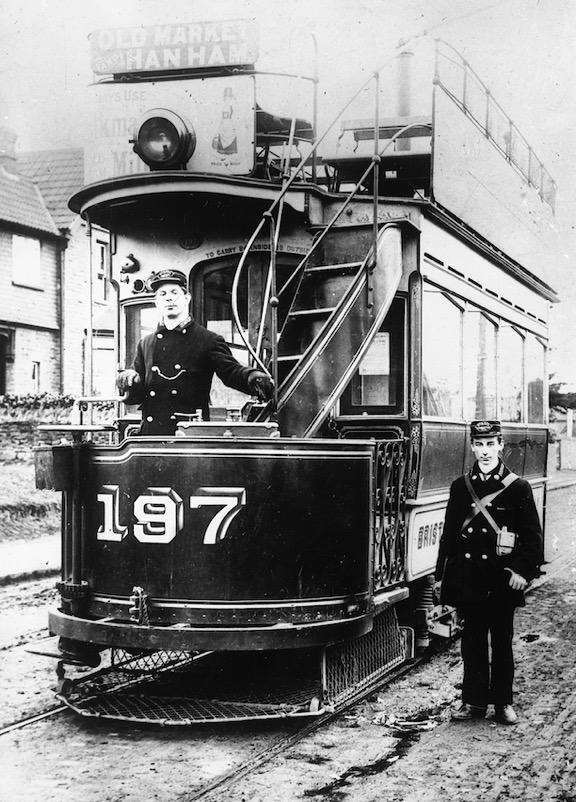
(159, 513)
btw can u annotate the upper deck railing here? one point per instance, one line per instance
(457, 78)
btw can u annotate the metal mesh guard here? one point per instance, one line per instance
(357, 664)
(180, 688)
(157, 688)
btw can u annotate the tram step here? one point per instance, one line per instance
(315, 312)
(342, 268)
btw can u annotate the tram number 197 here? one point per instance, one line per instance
(159, 513)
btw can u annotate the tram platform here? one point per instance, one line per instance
(23, 559)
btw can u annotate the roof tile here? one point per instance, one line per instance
(22, 204)
(58, 174)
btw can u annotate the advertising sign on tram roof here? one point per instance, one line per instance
(155, 48)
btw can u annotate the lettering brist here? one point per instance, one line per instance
(175, 47)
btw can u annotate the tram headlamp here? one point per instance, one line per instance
(163, 139)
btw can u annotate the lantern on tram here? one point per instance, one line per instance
(164, 140)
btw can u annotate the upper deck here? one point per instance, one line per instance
(183, 111)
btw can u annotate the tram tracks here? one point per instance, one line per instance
(282, 742)
(28, 720)
(236, 774)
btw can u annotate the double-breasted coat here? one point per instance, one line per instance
(468, 563)
(176, 368)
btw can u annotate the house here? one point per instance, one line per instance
(58, 174)
(87, 362)
(31, 258)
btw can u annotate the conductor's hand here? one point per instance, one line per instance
(261, 385)
(126, 378)
(517, 581)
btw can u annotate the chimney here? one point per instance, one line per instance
(404, 96)
(8, 141)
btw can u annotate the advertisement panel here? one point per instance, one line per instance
(220, 111)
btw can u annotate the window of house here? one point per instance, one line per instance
(101, 272)
(479, 365)
(535, 379)
(26, 261)
(511, 373)
(442, 327)
(36, 386)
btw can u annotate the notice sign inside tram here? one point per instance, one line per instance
(376, 361)
(157, 48)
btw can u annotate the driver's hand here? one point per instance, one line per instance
(126, 378)
(261, 385)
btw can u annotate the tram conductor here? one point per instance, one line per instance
(491, 548)
(174, 366)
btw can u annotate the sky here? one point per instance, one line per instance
(522, 49)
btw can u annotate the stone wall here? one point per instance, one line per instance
(19, 433)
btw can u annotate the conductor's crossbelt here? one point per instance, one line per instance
(481, 504)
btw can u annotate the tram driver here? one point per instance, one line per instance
(491, 548)
(174, 366)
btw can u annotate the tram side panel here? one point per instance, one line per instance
(226, 525)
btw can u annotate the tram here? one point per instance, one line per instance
(277, 558)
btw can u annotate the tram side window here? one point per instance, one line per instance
(535, 375)
(441, 355)
(511, 373)
(479, 365)
(377, 387)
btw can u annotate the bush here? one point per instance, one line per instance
(26, 403)
(44, 406)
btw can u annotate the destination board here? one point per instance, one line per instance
(159, 48)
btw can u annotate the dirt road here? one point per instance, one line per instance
(399, 746)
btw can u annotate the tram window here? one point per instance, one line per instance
(212, 300)
(479, 365)
(511, 373)
(218, 317)
(441, 355)
(535, 373)
(377, 387)
(140, 320)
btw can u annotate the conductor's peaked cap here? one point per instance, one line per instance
(168, 277)
(485, 428)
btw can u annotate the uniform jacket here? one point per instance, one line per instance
(468, 564)
(176, 368)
